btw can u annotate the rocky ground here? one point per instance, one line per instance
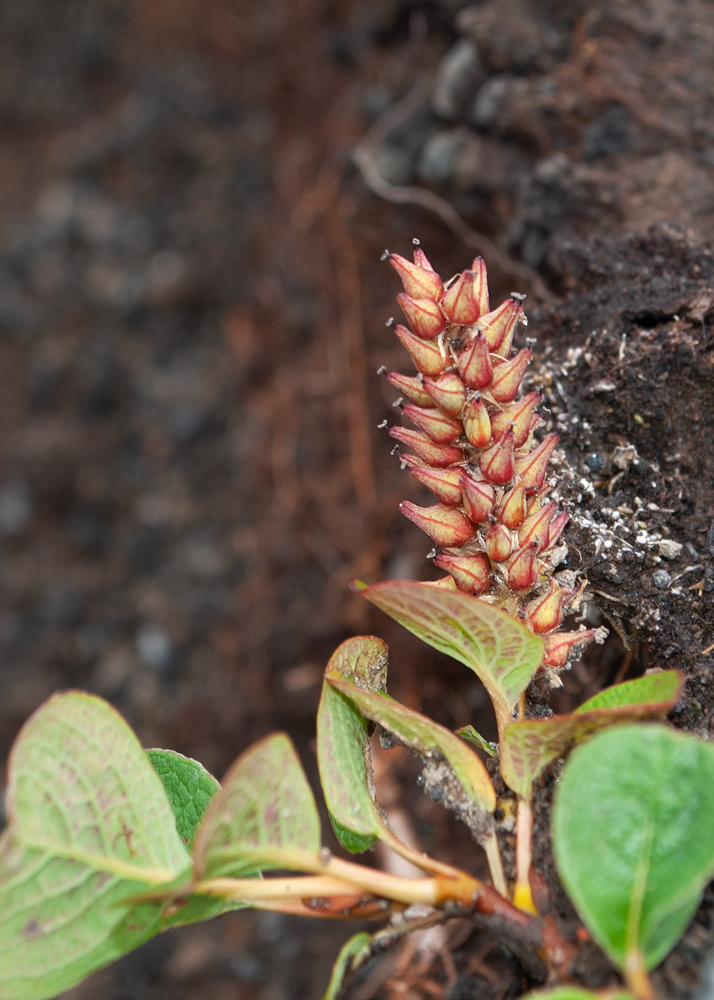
(192, 310)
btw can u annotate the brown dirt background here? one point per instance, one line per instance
(192, 310)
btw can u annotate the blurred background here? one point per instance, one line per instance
(192, 312)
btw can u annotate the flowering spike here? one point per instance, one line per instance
(474, 364)
(498, 326)
(477, 423)
(479, 498)
(447, 526)
(519, 414)
(556, 527)
(425, 354)
(471, 573)
(411, 387)
(523, 571)
(438, 455)
(480, 287)
(508, 376)
(460, 303)
(559, 646)
(497, 463)
(532, 467)
(512, 509)
(536, 527)
(418, 281)
(499, 543)
(445, 484)
(545, 613)
(426, 319)
(448, 392)
(440, 427)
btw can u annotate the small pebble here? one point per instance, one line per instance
(661, 579)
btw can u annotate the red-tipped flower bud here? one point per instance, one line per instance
(421, 260)
(499, 543)
(447, 526)
(546, 612)
(427, 320)
(519, 414)
(477, 423)
(498, 463)
(512, 509)
(536, 527)
(474, 364)
(523, 571)
(425, 354)
(439, 455)
(440, 427)
(478, 268)
(448, 392)
(498, 326)
(507, 377)
(471, 573)
(445, 484)
(559, 646)
(419, 282)
(479, 498)
(556, 527)
(411, 387)
(460, 303)
(533, 467)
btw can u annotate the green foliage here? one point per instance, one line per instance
(469, 734)
(188, 786)
(350, 956)
(530, 745)
(632, 837)
(575, 993)
(501, 651)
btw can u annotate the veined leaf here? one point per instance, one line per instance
(471, 735)
(503, 653)
(436, 745)
(343, 745)
(351, 955)
(188, 786)
(632, 837)
(530, 745)
(263, 817)
(89, 828)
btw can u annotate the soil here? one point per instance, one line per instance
(192, 308)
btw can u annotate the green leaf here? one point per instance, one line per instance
(469, 734)
(632, 837)
(89, 828)
(263, 817)
(189, 788)
(575, 993)
(503, 653)
(351, 956)
(530, 745)
(448, 760)
(343, 745)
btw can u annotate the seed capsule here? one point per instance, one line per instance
(445, 484)
(523, 571)
(536, 527)
(512, 509)
(498, 326)
(497, 463)
(447, 526)
(471, 573)
(426, 318)
(508, 376)
(532, 467)
(411, 387)
(460, 303)
(421, 260)
(560, 645)
(441, 428)
(480, 287)
(556, 527)
(499, 543)
(519, 415)
(477, 423)
(448, 392)
(418, 281)
(545, 613)
(479, 498)
(439, 455)
(424, 353)
(474, 364)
